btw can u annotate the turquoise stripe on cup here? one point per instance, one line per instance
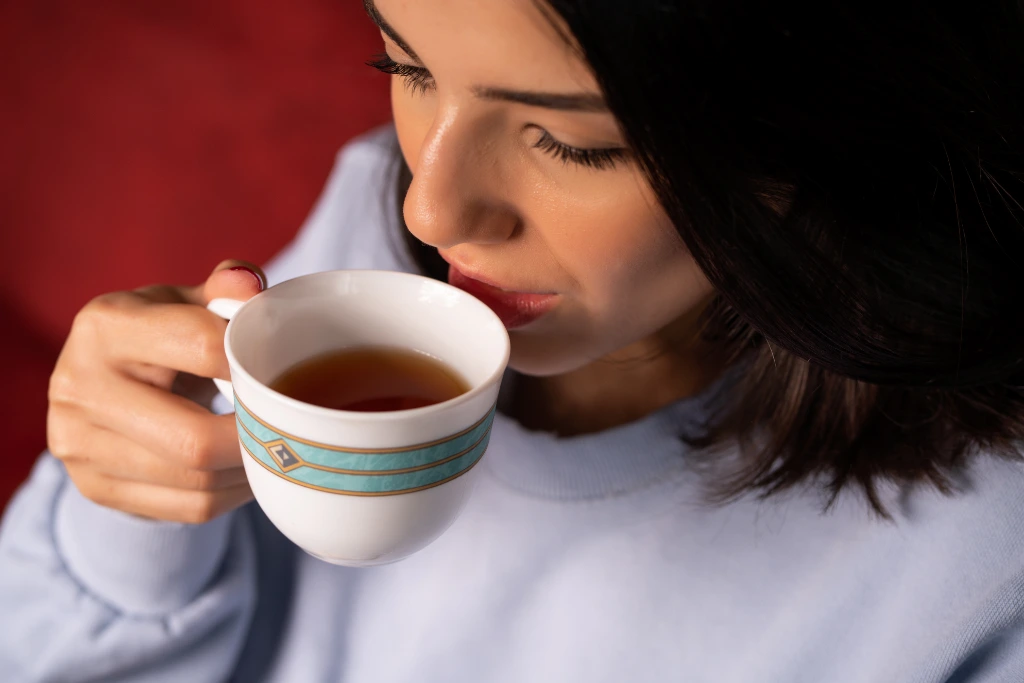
(361, 471)
(337, 458)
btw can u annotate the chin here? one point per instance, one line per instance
(544, 357)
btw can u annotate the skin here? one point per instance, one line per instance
(618, 344)
(129, 441)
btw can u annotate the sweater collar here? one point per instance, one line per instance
(611, 463)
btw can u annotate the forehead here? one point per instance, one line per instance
(508, 43)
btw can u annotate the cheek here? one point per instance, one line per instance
(633, 272)
(620, 245)
(649, 280)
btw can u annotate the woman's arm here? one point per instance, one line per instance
(92, 594)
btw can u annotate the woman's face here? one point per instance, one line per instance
(522, 182)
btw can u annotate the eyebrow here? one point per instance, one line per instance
(583, 102)
(385, 27)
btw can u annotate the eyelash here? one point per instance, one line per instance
(419, 81)
(597, 159)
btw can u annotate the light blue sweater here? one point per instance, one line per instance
(587, 559)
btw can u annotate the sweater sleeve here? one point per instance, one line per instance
(92, 594)
(998, 657)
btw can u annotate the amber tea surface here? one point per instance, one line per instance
(371, 380)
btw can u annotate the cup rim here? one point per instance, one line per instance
(379, 416)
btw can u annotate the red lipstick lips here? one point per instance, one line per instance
(515, 309)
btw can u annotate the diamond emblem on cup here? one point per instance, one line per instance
(283, 455)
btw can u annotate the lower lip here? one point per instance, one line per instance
(515, 309)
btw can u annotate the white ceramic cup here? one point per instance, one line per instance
(361, 488)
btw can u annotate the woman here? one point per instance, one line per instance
(759, 263)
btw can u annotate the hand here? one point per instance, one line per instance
(128, 442)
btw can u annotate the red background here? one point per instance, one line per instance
(145, 142)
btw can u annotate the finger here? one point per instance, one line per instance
(128, 329)
(158, 502)
(117, 457)
(168, 425)
(162, 326)
(233, 279)
(179, 337)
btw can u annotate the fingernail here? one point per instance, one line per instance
(256, 276)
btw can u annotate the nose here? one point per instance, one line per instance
(456, 195)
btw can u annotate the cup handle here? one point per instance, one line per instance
(225, 308)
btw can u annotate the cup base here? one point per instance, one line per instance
(357, 531)
(354, 563)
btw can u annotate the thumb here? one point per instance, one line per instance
(233, 280)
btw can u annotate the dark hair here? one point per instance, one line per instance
(849, 177)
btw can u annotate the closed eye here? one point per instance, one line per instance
(416, 78)
(420, 82)
(598, 158)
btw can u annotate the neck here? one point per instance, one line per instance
(615, 390)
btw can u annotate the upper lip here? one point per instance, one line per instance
(472, 274)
